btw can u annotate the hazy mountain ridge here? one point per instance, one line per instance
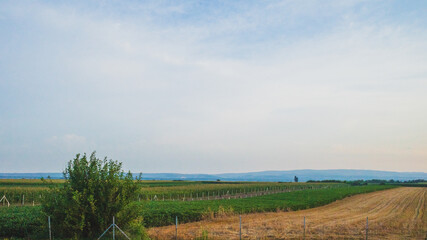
(273, 176)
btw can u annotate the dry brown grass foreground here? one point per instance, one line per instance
(393, 214)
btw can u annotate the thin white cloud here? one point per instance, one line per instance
(69, 142)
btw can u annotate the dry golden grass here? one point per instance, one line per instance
(393, 214)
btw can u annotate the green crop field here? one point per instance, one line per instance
(224, 189)
(30, 191)
(24, 221)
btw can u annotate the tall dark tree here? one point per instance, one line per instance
(94, 191)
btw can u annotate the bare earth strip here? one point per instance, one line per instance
(393, 214)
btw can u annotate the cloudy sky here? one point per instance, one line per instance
(214, 86)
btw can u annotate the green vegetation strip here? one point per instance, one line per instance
(27, 191)
(22, 222)
(29, 221)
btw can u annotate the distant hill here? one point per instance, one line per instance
(268, 176)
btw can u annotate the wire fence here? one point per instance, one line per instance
(361, 232)
(302, 233)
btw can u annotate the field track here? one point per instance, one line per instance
(398, 213)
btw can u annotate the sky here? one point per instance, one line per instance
(214, 86)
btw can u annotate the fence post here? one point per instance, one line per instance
(240, 228)
(304, 229)
(114, 226)
(176, 227)
(23, 200)
(114, 230)
(50, 230)
(367, 228)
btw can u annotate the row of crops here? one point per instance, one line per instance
(209, 192)
(30, 192)
(22, 195)
(30, 182)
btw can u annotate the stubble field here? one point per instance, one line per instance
(393, 214)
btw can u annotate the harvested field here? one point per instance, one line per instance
(393, 214)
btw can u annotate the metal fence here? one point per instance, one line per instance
(239, 234)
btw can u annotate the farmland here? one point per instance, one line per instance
(27, 191)
(163, 213)
(393, 214)
(186, 200)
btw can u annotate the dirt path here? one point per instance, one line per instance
(393, 214)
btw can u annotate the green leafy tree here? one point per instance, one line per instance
(94, 191)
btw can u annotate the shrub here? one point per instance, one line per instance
(94, 191)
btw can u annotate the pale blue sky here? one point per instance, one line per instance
(214, 86)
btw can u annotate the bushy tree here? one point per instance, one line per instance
(94, 191)
(295, 179)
